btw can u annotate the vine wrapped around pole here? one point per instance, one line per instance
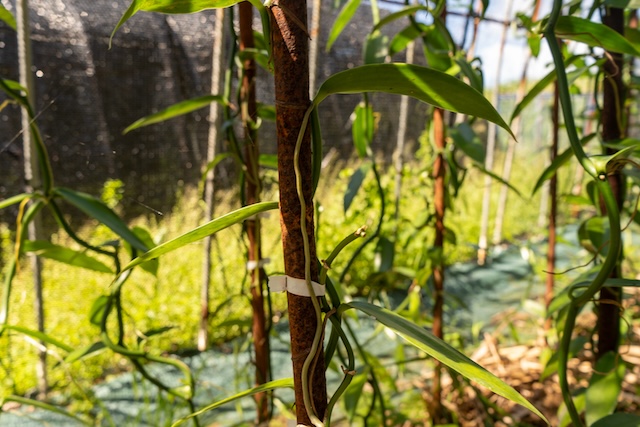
(291, 69)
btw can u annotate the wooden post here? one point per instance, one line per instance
(209, 190)
(33, 180)
(291, 69)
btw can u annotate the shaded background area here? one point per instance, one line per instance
(87, 94)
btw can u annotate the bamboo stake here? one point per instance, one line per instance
(400, 142)
(491, 143)
(553, 210)
(33, 180)
(209, 186)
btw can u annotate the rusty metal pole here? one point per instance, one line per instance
(291, 69)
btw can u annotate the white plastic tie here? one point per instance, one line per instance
(253, 264)
(294, 286)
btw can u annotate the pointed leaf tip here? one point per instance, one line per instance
(425, 84)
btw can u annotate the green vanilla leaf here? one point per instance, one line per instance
(14, 199)
(618, 420)
(362, 129)
(41, 405)
(443, 352)
(485, 5)
(269, 161)
(539, 87)
(557, 163)
(425, 84)
(475, 78)
(551, 367)
(406, 11)
(266, 111)
(96, 209)
(143, 336)
(604, 387)
(438, 46)
(145, 237)
(623, 4)
(17, 92)
(96, 313)
(612, 163)
(466, 140)
(564, 419)
(7, 17)
(40, 336)
(65, 255)
(175, 110)
(169, 6)
(345, 15)
(352, 394)
(213, 163)
(593, 34)
(12, 264)
(355, 182)
(384, 254)
(86, 352)
(271, 385)
(594, 235)
(203, 231)
(376, 48)
(402, 38)
(633, 35)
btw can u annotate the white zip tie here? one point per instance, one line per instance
(294, 286)
(253, 264)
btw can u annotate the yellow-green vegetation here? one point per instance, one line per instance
(172, 298)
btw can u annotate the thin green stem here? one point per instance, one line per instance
(348, 372)
(13, 266)
(563, 89)
(360, 232)
(307, 273)
(613, 215)
(57, 214)
(135, 355)
(563, 356)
